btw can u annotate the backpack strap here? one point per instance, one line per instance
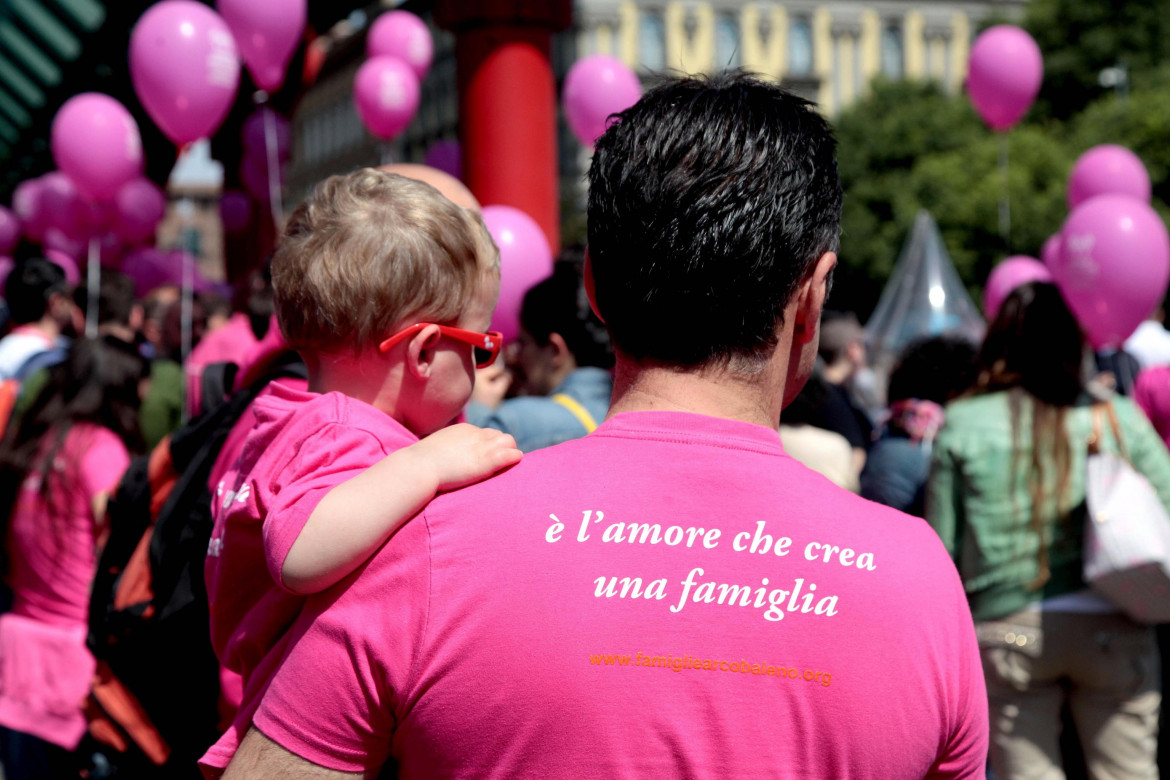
(578, 411)
(216, 384)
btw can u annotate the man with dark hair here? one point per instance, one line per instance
(561, 366)
(41, 310)
(672, 595)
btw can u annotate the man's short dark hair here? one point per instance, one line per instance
(115, 298)
(29, 286)
(709, 200)
(559, 305)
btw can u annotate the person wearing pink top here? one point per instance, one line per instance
(385, 288)
(672, 595)
(57, 468)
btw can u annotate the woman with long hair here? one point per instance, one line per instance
(59, 462)
(1007, 496)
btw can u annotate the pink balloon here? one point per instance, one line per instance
(27, 203)
(185, 68)
(235, 210)
(595, 88)
(1007, 276)
(9, 231)
(1113, 267)
(1050, 253)
(139, 206)
(403, 35)
(255, 139)
(1004, 74)
(1108, 170)
(62, 206)
(66, 264)
(525, 260)
(267, 33)
(95, 143)
(386, 92)
(446, 156)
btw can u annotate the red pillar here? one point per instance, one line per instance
(508, 102)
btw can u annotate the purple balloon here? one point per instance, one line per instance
(6, 266)
(28, 205)
(1004, 74)
(139, 206)
(1113, 267)
(1108, 170)
(255, 137)
(446, 156)
(150, 268)
(403, 35)
(66, 263)
(1007, 276)
(595, 88)
(525, 260)
(254, 176)
(267, 33)
(386, 92)
(235, 210)
(185, 68)
(96, 143)
(62, 206)
(9, 231)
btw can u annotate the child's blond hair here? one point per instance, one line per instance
(371, 252)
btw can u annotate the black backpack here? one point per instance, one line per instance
(154, 703)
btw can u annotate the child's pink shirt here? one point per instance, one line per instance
(302, 446)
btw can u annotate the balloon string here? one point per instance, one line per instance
(186, 317)
(273, 169)
(93, 277)
(1005, 203)
(387, 153)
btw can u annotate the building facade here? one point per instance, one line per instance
(829, 51)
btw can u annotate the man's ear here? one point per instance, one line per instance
(590, 291)
(420, 352)
(811, 298)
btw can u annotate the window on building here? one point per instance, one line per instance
(651, 41)
(727, 42)
(893, 55)
(800, 47)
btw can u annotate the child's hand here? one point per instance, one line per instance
(462, 454)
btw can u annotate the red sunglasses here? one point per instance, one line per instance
(487, 345)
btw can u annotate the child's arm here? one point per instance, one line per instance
(353, 519)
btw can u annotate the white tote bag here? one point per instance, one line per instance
(1127, 532)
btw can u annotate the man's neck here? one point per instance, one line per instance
(838, 373)
(45, 328)
(715, 393)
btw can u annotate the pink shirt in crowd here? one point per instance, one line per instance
(670, 596)
(45, 668)
(1152, 394)
(232, 343)
(302, 446)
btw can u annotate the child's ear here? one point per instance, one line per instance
(420, 352)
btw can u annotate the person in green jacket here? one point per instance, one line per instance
(1007, 497)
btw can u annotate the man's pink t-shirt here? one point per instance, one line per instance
(671, 596)
(45, 668)
(302, 446)
(1152, 394)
